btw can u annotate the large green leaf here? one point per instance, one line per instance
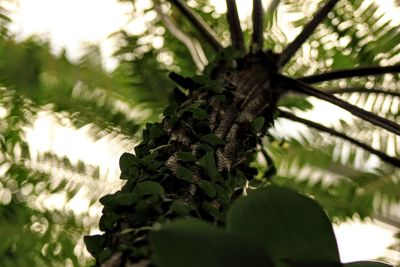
(290, 226)
(198, 244)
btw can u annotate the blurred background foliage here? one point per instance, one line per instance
(347, 181)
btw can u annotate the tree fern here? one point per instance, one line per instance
(168, 162)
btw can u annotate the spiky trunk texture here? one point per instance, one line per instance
(194, 163)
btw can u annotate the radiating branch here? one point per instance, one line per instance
(386, 219)
(333, 132)
(308, 29)
(194, 47)
(234, 25)
(258, 23)
(362, 90)
(349, 73)
(356, 111)
(208, 34)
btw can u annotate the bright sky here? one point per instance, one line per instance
(75, 23)
(72, 24)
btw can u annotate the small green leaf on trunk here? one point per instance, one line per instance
(185, 82)
(94, 243)
(219, 98)
(223, 194)
(143, 149)
(178, 95)
(148, 188)
(257, 124)
(170, 109)
(208, 188)
(206, 148)
(194, 108)
(240, 179)
(104, 255)
(184, 173)
(207, 206)
(147, 203)
(215, 87)
(146, 160)
(207, 163)
(145, 136)
(155, 131)
(185, 156)
(202, 79)
(180, 207)
(198, 113)
(108, 220)
(126, 161)
(155, 166)
(213, 140)
(119, 199)
(132, 173)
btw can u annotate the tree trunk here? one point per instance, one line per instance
(194, 163)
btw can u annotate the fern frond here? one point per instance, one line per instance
(315, 169)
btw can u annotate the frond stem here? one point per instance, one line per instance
(258, 22)
(308, 29)
(349, 73)
(356, 111)
(386, 219)
(208, 34)
(333, 132)
(234, 25)
(362, 90)
(194, 47)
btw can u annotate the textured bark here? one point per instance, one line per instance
(221, 142)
